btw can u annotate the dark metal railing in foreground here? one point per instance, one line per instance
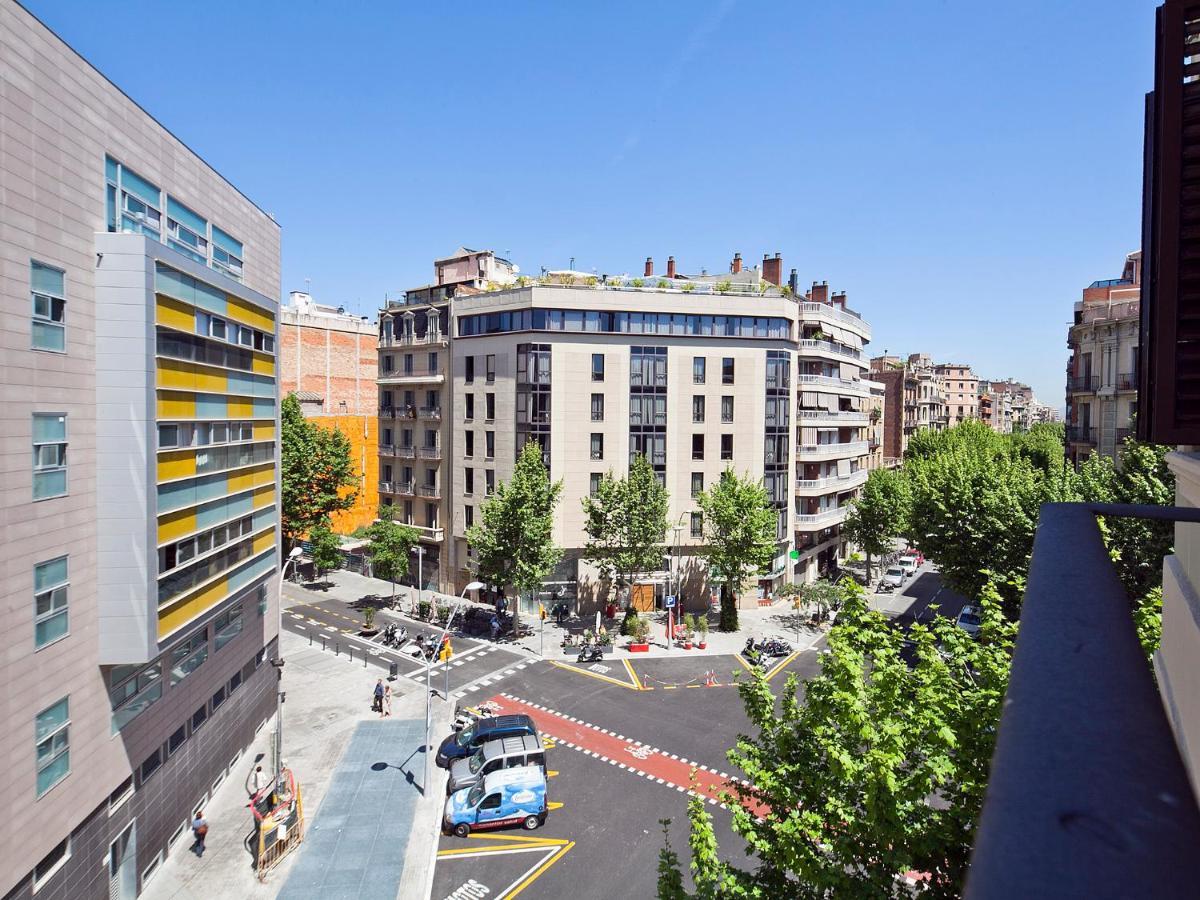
(1088, 796)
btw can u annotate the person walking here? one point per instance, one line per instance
(377, 703)
(387, 702)
(200, 831)
(495, 627)
(258, 780)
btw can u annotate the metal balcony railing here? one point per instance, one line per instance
(434, 452)
(385, 487)
(1083, 383)
(1081, 434)
(1087, 794)
(829, 347)
(431, 412)
(432, 491)
(847, 317)
(831, 483)
(404, 487)
(1127, 381)
(827, 451)
(823, 519)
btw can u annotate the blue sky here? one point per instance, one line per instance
(961, 169)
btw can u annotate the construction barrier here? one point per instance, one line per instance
(280, 819)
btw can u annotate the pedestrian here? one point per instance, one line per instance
(502, 605)
(200, 831)
(387, 702)
(257, 780)
(377, 703)
(495, 627)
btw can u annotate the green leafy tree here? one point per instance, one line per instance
(317, 477)
(739, 536)
(879, 514)
(626, 522)
(514, 537)
(325, 548)
(390, 547)
(837, 800)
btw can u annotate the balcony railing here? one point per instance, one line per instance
(823, 519)
(1127, 381)
(413, 340)
(1087, 794)
(402, 376)
(829, 347)
(848, 317)
(434, 452)
(385, 487)
(432, 491)
(831, 483)
(839, 415)
(431, 412)
(831, 451)
(394, 450)
(848, 384)
(1081, 434)
(398, 412)
(1083, 383)
(404, 487)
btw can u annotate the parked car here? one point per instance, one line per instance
(508, 797)
(466, 742)
(494, 756)
(913, 551)
(968, 620)
(909, 564)
(894, 575)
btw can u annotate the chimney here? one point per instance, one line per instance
(839, 300)
(649, 266)
(670, 267)
(794, 283)
(773, 269)
(737, 263)
(820, 292)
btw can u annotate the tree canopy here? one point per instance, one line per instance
(317, 475)
(626, 522)
(879, 513)
(325, 548)
(390, 546)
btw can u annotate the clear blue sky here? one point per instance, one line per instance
(961, 169)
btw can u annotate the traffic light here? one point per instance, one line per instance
(541, 611)
(446, 652)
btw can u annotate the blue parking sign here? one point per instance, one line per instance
(670, 602)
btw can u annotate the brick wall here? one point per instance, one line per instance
(339, 364)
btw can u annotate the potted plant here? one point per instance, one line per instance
(724, 286)
(663, 284)
(702, 625)
(688, 626)
(423, 610)
(687, 287)
(369, 628)
(636, 282)
(639, 635)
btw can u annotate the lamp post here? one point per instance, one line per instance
(420, 576)
(277, 662)
(473, 586)
(675, 585)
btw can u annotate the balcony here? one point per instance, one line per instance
(1081, 434)
(831, 483)
(412, 376)
(1127, 381)
(1087, 794)
(831, 451)
(434, 413)
(1083, 383)
(401, 452)
(399, 487)
(1122, 434)
(829, 381)
(808, 310)
(430, 491)
(838, 416)
(434, 452)
(811, 345)
(823, 519)
(398, 412)
(385, 487)
(433, 339)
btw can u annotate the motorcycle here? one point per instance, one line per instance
(591, 653)
(394, 636)
(752, 654)
(775, 647)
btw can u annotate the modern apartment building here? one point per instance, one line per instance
(962, 392)
(328, 358)
(699, 373)
(415, 438)
(1102, 370)
(139, 301)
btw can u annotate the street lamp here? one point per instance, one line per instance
(473, 586)
(676, 583)
(420, 576)
(277, 662)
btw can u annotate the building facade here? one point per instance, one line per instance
(328, 358)
(962, 392)
(1102, 370)
(139, 302)
(699, 373)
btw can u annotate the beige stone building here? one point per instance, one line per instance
(962, 392)
(138, 305)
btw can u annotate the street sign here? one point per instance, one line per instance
(670, 602)
(795, 554)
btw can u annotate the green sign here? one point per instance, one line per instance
(795, 554)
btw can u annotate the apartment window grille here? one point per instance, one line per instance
(597, 407)
(698, 408)
(597, 445)
(697, 524)
(49, 295)
(727, 370)
(132, 690)
(50, 601)
(53, 750)
(597, 367)
(698, 369)
(49, 455)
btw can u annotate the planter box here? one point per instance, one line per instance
(638, 648)
(703, 645)
(368, 632)
(687, 645)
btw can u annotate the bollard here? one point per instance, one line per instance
(350, 650)
(322, 643)
(337, 648)
(364, 659)
(310, 637)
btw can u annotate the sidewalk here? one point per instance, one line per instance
(328, 703)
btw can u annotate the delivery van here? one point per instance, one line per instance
(508, 797)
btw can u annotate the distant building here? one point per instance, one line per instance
(1102, 370)
(328, 359)
(962, 392)
(889, 371)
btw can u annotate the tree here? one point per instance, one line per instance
(626, 522)
(325, 548)
(317, 476)
(390, 547)
(841, 781)
(879, 513)
(739, 536)
(514, 537)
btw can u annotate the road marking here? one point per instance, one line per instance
(529, 877)
(779, 668)
(597, 675)
(745, 665)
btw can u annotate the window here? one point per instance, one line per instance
(186, 231)
(469, 446)
(594, 483)
(489, 478)
(388, 362)
(489, 406)
(51, 863)
(727, 446)
(226, 254)
(433, 362)
(49, 307)
(697, 446)
(470, 371)
(198, 718)
(489, 444)
(227, 626)
(132, 690)
(187, 657)
(235, 682)
(597, 407)
(468, 480)
(469, 414)
(175, 741)
(597, 445)
(727, 370)
(698, 364)
(49, 455)
(698, 408)
(218, 698)
(697, 484)
(150, 765)
(469, 516)
(597, 367)
(120, 795)
(697, 522)
(53, 745)
(490, 367)
(431, 515)
(727, 409)
(49, 601)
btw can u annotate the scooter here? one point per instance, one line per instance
(591, 653)
(775, 647)
(885, 587)
(752, 654)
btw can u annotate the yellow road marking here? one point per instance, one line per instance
(745, 665)
(595, 675)
(548, 743)
(541, 870)
(553, 804)
(552, 773)
(516, 838)
(633, 675)
(775, 671)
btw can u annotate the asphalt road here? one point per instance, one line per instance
(928, 596)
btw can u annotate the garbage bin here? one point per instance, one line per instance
(394, 671)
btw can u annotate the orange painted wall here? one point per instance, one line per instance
(364, 453)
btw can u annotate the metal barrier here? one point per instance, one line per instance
(280, 820)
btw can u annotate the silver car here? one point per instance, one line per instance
(894, 576)
(502, 753)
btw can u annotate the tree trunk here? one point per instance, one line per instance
(868, 555)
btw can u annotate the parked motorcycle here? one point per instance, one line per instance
(775, 647)
(752, 654)
(591, 653)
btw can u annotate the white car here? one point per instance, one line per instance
(894, 576)
(909, 564)
(968, 620)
